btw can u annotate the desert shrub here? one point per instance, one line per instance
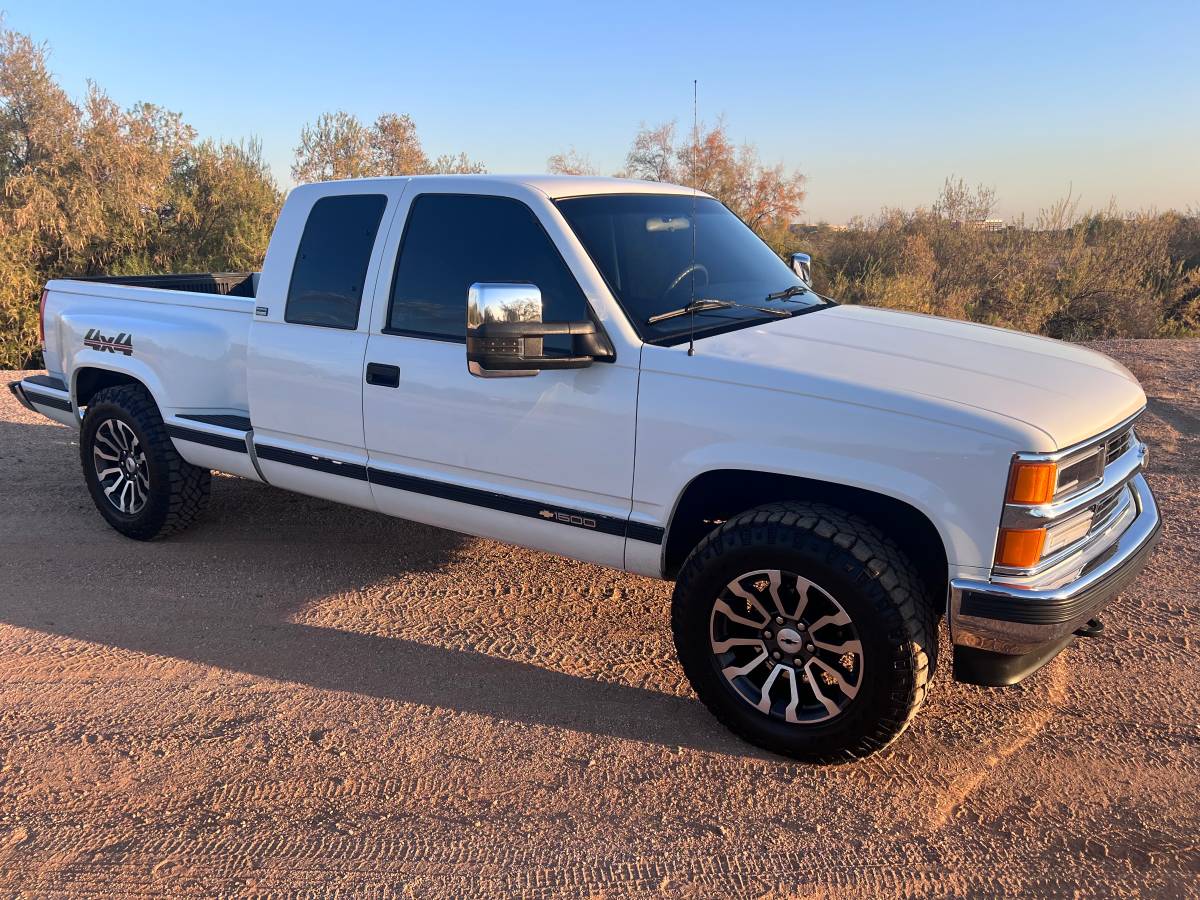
(1070, 276)
(89, 188)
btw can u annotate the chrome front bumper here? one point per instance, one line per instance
(1003, 632)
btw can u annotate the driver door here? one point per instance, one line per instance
(544, 460)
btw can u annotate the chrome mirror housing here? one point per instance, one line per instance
(802, 266)
(505, 333)
(489, 303)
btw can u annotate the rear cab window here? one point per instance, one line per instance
(331, 264)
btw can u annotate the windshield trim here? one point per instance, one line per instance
(681, 337)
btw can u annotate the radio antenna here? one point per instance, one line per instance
(695, 154)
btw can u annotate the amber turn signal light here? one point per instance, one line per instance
(1032, 482)
(1019, 549)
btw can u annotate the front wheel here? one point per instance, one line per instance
(805, 631)
(139, 482)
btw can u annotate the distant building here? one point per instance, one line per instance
(987, 225)
(807, 228)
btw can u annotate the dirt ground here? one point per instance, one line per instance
(297, 698)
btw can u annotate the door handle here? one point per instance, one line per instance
(383, 375)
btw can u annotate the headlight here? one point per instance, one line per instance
(1039, 481)
(1034, 482)
(1079, 472)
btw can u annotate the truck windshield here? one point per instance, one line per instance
(642, 244)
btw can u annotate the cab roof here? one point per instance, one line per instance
(553, 186)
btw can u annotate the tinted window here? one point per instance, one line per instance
(331, 265)
(657, 252)
(453, 241)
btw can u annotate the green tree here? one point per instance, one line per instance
(223, 208)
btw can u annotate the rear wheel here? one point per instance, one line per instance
(805, 631)
(139, 482)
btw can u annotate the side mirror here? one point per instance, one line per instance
(802, 266)
(505, 332)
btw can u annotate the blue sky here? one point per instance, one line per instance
(875, 103)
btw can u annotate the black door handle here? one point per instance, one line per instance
(383, 376)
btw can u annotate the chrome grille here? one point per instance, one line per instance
(1105, 506)
(1117, 445)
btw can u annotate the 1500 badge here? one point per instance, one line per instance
(122, 343)
(568, 519)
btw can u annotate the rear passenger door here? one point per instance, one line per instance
(545, 461)
(308, 338)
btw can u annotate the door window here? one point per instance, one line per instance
(454, 240)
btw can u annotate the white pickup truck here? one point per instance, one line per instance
(622, 372)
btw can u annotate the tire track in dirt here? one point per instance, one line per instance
(961, 789)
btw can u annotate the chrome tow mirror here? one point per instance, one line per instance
(505, 332)
(802, 266)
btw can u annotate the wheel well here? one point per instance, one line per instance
(713, 497)
(89, 381)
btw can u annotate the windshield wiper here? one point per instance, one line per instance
(788, 292)
(705, 304)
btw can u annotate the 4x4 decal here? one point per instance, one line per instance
(122, 343)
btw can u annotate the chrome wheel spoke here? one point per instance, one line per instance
(139, 496)
(789, 714)
(854, 647)
(764, 699)
(802, 588)
(723, 608)
(850, 690)
(773, 578)
(108, 442)
(735, 588)
(729, 643)
(830, 706)
(838, 618)
(732, 672)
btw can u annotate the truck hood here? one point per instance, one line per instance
(929, 366)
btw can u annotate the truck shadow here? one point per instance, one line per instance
(224, 594)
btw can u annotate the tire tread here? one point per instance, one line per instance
(186, 486)
(904, 605)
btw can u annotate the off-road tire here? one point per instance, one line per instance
(178, 491)
(869, 576)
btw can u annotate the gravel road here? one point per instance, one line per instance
(297, 698)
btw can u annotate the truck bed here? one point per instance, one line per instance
(226, 284)
(183, 336)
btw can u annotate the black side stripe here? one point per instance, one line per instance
(47, 400)
(650, 534)
(49, 381)
(307, 461)
(461, 494)
(232, 422)
(499, 502)
(220, 441)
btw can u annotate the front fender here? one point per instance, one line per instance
(952, 473)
